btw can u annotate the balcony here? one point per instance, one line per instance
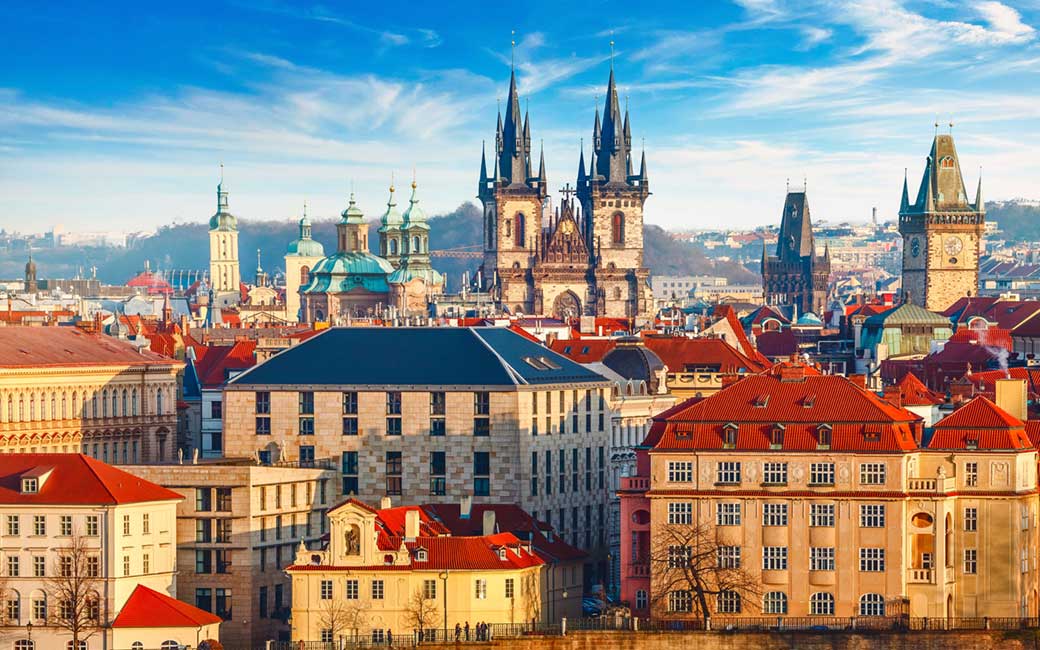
(635, 483)
(944, 484)
(639, 571)
(920, 576)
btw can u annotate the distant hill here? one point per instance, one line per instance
(186, 246)
(1018, 221)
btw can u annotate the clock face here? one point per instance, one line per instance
(915, 246)
(953, 245)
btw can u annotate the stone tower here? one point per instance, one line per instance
(301, 256)
(513, 199)
(225, 278)
(612, 198)
(30, 275)
(942, 232)
(390, 233)
(796, 275)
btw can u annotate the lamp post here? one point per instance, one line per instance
(28, 631)
(610, 576)
(443, 575)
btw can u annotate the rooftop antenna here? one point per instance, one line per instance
(951, 125)
(512, 45)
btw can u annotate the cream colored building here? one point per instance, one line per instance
(125, 529)
(225, 276)
(238, 526)
(374, 578)
(64, 390)
(303, 253)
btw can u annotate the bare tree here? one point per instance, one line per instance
(341, 616)
(692, 566)
(420, 612)
(73, 587)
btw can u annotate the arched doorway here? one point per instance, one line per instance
(566, 306)
(949, 606)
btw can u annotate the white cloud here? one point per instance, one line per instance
(1004, 20)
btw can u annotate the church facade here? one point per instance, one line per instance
(796, 275)
(942, 232)
(586, 257)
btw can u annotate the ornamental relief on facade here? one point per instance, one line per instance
(1000, 474)
(798, 472)
(752, 472)
(844, 474)
(705, 472)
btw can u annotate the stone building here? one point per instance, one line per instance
(111, 534)
(587, 257)
(478, 412)
(942, 232)
(63, 390)
(796, 275)
(224, 273)
(835, 502)
(238, 526)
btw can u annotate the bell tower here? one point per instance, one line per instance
(224, 274)
(942, 232)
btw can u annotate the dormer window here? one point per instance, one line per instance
(809, 401)
(502, 554)
(729, 436)
(872, 433)
(762, 401)
(776, 437)
(30, 485)
(971, 442)
(420, 555)
(823, 436)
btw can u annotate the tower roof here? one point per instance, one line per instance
(304, 246)
(353, 214)
(611, 139)
(222, 219)
(414, 216)
(391, 219)
(942, 184)
(514, 140)
(796, 237)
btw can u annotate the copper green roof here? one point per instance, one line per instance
(391, 219)
(414, 216)
(907, 314)
(349, 270)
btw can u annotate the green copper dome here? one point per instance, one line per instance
(414, 216)
(391, 219)
(348, 270)
(223, 219)
(305, 246)
(353, 213)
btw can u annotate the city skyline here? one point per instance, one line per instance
(301, 102)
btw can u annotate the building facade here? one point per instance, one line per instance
(225, 277)
(796, 275)
(942, 232)
(303, 253)
(63, 390)
(238, 526)
(585, 259)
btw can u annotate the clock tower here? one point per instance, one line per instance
(942, 232)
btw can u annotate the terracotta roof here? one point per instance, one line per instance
(75, 479)
(509, 517)
(859, 419)
(219, 360)
(583, 350)
(992, 337)
(914, 393)
(33, 347)
(683, 354)
(392, 521)
(149, 608)
(986, 380)
(153, 282)
(980, 424)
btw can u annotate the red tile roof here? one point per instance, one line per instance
(509, 517)
(22, 347)
(214, 366)
(75, 479)
(683, 354)
(149, 608)
(980, 424)
(914, 393)
(584, 350)
(859, 419)
(993, 337)
(392, 521)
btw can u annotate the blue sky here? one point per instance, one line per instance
(116, 116)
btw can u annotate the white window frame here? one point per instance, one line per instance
(872, 515)
(774, 473)
(774, 558)
(872, 559)
(774, 514)
(821, 515)
(873, 474)
(680, 513)
(680, 471)
(728, 514)
(821, 474)
(727, 472)
(821, 558)
(971, 561)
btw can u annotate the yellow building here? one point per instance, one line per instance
(63, 390)
(818, 498)
(395, 571)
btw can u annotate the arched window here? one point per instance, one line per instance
(24, 644)
(949, 540)
(774, 602)
(32, 406)
(133, 402)
(871, 605)
(64, 408)
(393, 247)
(415, 245)
(521, 229)
(136, 645)
(21, 408)
(93, 405)
(821, 604)
(54, 406)
(169, 645)
(126, 399)
(158, 402)
(10, 409)
(82, 645)
(305, 275)
(115, 402)
(104, 403)
(617, 228)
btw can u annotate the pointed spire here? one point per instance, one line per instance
(765, 255)
(541, 166)
(596, 131)
(259, 268)
(904, 204)
(581, 163)
(642, 167)
(929, 199)
(980, 206)
(483, 165)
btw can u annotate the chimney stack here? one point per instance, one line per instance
(465, 506)
(859, 380)
(1011, 396)
(385, 503)
(489, 522)
(893, 395)
(411, 524)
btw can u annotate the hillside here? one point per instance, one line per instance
(186, 246)
(1017, 221)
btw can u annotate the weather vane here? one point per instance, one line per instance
(512, 44)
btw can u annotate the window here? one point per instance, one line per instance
(438, 471)
(727, 514)
(774, 558)
(534, 473)
(971, 561)
(971, 519)
(14, 610)
(971, 474)
(39, 525)
(126, 525)
(774, 602)
(65, 525)
(821, 604)
(263, 403)
(30, 486)
(39, 564)
(223, 503)
(393, 426)
(393, 471)
(872, 559)
(146, 564)
(823, 437)
(872, 516)
(39, 608)
(480, 589)
(680, 601)
(680, 513)
(509, 588)
(821, 558)
(146, 524)
(350, 472)
(776, 437)
(263, 425)
(350, 425)
(727, 557)
(326, 635)
(872, 474)
(378, 590)
(203, 500)
(728, 602)
(223, 535)
(325, 590)
(223, 604)
(728, 473)
(821, 473)
(774, 473)
(617, 228)
(393, 402)
(482, 473)
(821, 515)
(93, 566)
(680, 471)
(216, 410)
(13, 566)
(12, 525)
(438, 405)
(871, 605)
(774, 514)
(351, 589)
(641, 599)
(126, 565)
(679, 556)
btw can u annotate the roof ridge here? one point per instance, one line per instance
(84, 459)
(512, 372)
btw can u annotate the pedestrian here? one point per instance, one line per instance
(467, 630)
(389, 637)
(458, 631)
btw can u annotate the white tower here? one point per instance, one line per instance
(225, 278)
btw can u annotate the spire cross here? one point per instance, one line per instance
(612, 49)
(221, 173)
(512, 44)
(567, 191)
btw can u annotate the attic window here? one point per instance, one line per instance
(823, 436)
(808, 401)
(971, 442)
(872, 432)
(502, 553)
(585, 349)
(776, 437)
(535, 363)
(420, 555)
(762, 401)
(567, 350)
(552, 365)
(30, 485)
(729, 436)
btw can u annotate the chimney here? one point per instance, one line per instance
(961, 390)
(385, 503)
(893, 395)
(1011, 396)
(465, 506)
(794, 372)
(489, 522)
(859, 380)
(411, 524)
